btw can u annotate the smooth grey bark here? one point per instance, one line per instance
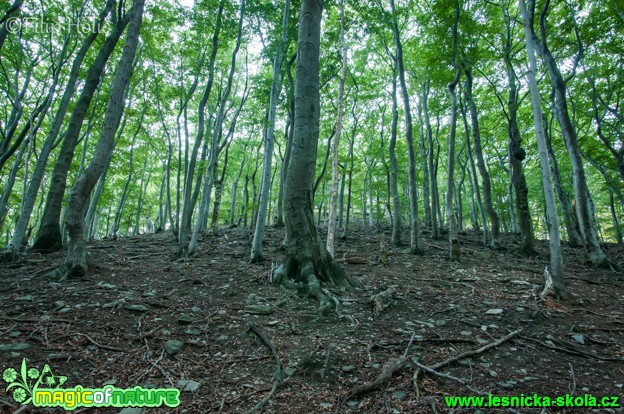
(124, 193)
(614, 218)
(76, 263)
(92, 210)
(474, 180)
(433, 178)
(49, 235)
(583, 200)
(236, 181)
(256, 246)
(142, 190)
(517, 154)
(333, 204)
(569, 217)
(454, 246)
(226, 144)
(288, 135)
(214, 147)
(189, 201)
(413, 195)
(556, 259)
(483, 171)
(395, 240)
(424, 159)
(307, 262)
(34, 184)
(345, 229)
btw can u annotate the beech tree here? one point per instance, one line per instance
(307, 261)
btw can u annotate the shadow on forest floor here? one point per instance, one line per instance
(111, 326)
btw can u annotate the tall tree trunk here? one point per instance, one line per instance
(424, 155)
(556, 259)
(560, 108)
(189, 202)
(394, 173)
(333, 204)
(433, 179)
(483, 171)
(288, 134)
(49, 234)
(92, 210)
(30, 196)
(616, 222)
(77, 263)
(256, 247)
(454, 247)
(516, 153)
(569, 217)
(307, 261)
(474, 180)
(214, 148)
(413, 195)
(235, 185)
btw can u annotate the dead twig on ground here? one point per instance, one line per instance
(386, 373)
(467, 354)
(449, 377)
(569, 349)
(110, 348)
(277, 376)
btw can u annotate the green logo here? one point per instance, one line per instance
(23, 384)
(43, 389)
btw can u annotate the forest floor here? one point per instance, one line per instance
(111, 326)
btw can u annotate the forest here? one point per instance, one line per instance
(252, 201)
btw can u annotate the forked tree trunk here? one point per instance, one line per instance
(189, 201)
(76, 263)
(48, 144)
(556, 259)
(202, 216)
(256, 248)
(581, 191)
(49, 235)
(307, 261)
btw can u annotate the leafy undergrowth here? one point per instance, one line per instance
(111, 326)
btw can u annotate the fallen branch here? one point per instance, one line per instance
(467, 354)
(277, 376)
(386, 373)
(476, 351)
(569, 349)
(110, 348)
(448, 377)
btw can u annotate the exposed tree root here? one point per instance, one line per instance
(311, 275)
(67, 271)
